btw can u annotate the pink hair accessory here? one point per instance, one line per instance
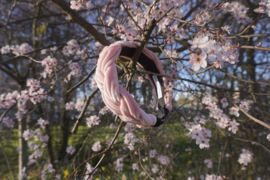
(118, 99)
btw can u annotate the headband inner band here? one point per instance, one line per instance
(149, 65)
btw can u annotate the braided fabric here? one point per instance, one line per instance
(117, 99)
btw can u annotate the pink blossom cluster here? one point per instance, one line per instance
(119, 164)
(104, 110)
(75, 71)
(154, 168)
(8, 122)
(233, 126)
(135, 166)
(41, 137)
(97, 47)
(178, 31)
(79, 4)
(79, 104)
(263, 8)
(201, 134)
(33, 157)
(163, 159)
(245, 105)
(126, 32)
(268, 137)
(49, 63)
(96, 146)
(8, 100)
(70, 105)
(33, 146)
(71, 48)
(202, 18)
(92, 120)
(129, 127)
(50, 170)
(222, 120)
(35, 93)
(89, 169)
(213, 177)
(141, 16)
(70, 150)
(238, 11)
(152, 153)
(172, 53)
(130, 140)
(28, 134)
(42, 123)
(17, 49)
(245, 157)
(234, 111)
(208, 163)
(38, 136)
(215, 52)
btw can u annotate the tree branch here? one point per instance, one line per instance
(75, 127)
(75, 17)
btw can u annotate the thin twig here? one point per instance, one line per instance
(76, 125)
(248, 115)
(253, 142)
(103, 172)
(5, 113)
(82, 81)
(108, 148)
(103, 152)
(198, 82)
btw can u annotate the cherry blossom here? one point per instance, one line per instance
(244, 105)
(70, 106)
(79, 105)
(75, 4)
(152, 153)
(245, 157)
(28, 134)
(119, 164)
(92, 120)
(213, 177)
(233, 126)
(70, 150)
(208, 163)
(8, 122)
(154, 168)
(130, 140)
(234, 111)
(199, 133)
(224, 102)
(198, 61)
(89, 169)
(135, 166)
(268, 137)
(96, 146)
(42, 123)
(198, 42)
(238, 11)
(163, 159)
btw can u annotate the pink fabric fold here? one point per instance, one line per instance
(117, 99)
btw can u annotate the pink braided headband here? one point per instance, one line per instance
(117, 99)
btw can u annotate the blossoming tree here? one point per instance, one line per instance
(54, 123)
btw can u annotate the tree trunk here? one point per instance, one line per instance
(22, 146)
